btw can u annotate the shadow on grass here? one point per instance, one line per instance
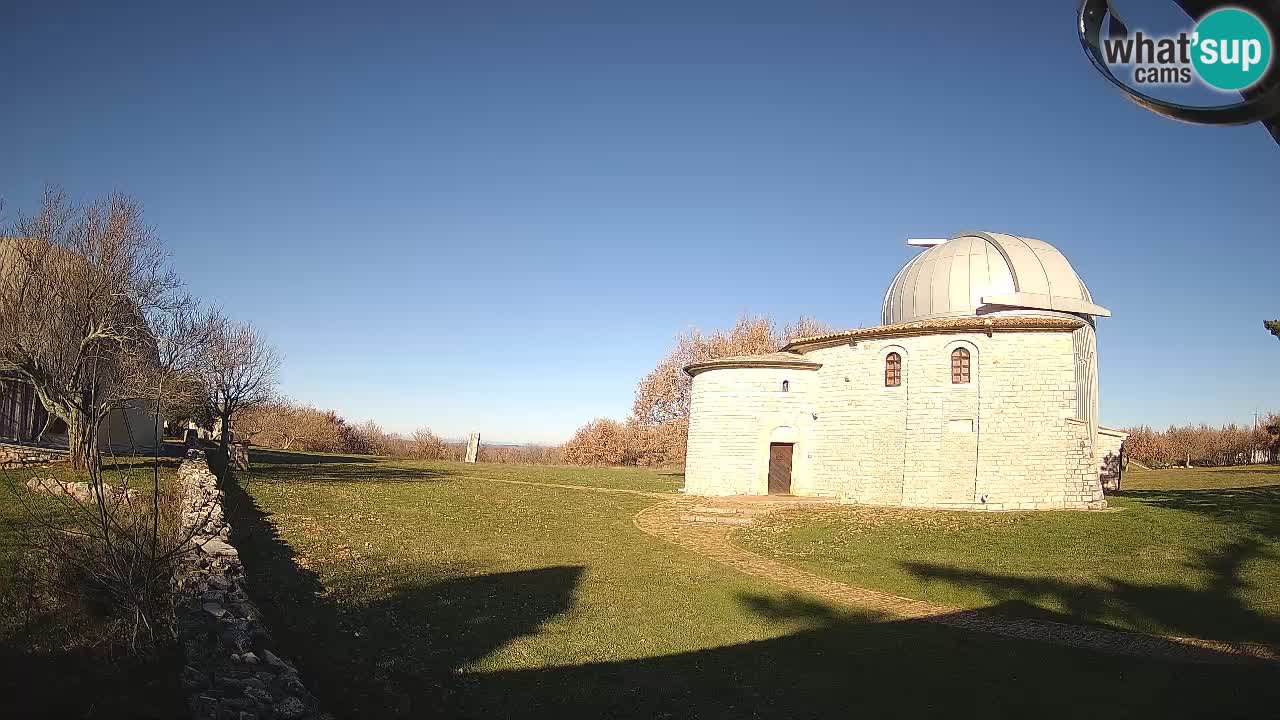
(856, 664)
(88, 685)
(1185, 609)
(1180, 608)
(279, 465)
(401, 657)
(284, 457)
(406, 646)
(347, 473)
(139, 464)
(1258, 508)
(54, 661)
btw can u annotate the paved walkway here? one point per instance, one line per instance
(704, 525)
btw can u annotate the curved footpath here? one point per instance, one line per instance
(704, 525)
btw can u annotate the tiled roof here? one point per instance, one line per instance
(768, 360)
(990, 324)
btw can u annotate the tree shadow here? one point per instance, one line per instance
(261, 456)
(274, 465)
(399, 654)
(345, 473)
(1258, 508)
(406, 655)
(1168, 608)
(140, 463)
(88, 684)
(856, 663)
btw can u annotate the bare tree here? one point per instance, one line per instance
(117, 540)
(239, 373)
(79, 288)
(663, 395)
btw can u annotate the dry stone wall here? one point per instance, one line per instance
(231, 672)
(16, 456)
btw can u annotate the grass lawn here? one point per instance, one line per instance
(1188, 552)
(53, 661)
(409, 589)
(318, 468)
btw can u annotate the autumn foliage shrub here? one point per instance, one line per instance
(610, 442)
(1205, 446)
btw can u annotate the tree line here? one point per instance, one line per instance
(1204, 445)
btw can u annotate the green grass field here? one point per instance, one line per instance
(1186, 552)
(408, 589)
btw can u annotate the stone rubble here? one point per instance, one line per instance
(81, 491)
(231, 672)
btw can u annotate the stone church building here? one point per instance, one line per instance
(978, 391)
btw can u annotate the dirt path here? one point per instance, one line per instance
(704, 526)
(678, 522)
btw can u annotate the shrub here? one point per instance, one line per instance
(609, 442)
(101, 563)
(599, 442)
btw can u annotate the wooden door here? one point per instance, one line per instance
(780, 468)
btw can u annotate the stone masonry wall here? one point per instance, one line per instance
(735, 412)
(1004, 441)
(231, 672)
(16, 456)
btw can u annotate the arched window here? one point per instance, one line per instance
(959, 366)
(892, 370)
(786, 386)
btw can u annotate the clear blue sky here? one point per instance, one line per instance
(496, 215)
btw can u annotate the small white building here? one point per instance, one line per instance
(979, 391)
(128, 429)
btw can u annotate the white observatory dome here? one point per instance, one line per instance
(980, 273)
